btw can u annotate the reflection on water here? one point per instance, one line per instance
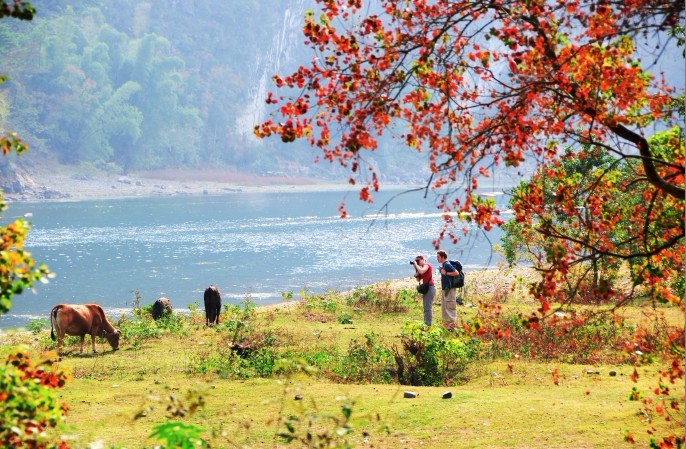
(250, 245)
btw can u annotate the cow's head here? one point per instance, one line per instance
(113, 338)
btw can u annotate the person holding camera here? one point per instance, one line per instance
(424, 272)
(448, 302)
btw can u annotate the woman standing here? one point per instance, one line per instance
(425, 273)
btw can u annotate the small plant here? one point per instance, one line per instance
(178, 435)
(37, 325)
(306, 429)
(405, 296)
(194, 306)
(136, 302)
(345, 318)
(142, 311)
(572, 337)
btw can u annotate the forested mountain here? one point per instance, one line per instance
(131, 85)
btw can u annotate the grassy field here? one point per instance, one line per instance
(327, 362)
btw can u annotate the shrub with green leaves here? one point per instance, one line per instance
(432, 355)
(30, 409)
(367, 361)
(37, 325)
(135, 331)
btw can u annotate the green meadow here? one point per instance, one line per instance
(334, 370)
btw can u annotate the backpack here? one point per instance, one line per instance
(457, 281)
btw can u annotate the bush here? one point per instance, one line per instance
(433, 356)
(367, 361)
(135, 331)
(37, 325)
(30, 409)
(571, 337)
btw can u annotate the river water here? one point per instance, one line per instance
(251, 245)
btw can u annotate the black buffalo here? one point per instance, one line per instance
(213, 305)
(160, 307)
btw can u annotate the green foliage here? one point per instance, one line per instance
(406, 296)
(173, 323)
(262, 361)
(541, 243)
(220, 361)
(18, 270)
(124, 89)
(178, 435)
(325, 302)
(134, 331)
(17, 9)
(345, 318)
(432, 355)
(368, 360)
(30, 409)
(238, 320)
(287, 296)
(38, 325)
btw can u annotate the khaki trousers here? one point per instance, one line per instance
(449, 308)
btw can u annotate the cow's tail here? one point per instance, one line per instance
(53, 321)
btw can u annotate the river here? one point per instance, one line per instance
(254, 246)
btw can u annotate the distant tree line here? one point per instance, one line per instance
(140, 85)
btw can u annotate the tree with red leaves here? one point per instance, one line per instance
(480, 84)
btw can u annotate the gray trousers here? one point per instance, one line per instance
(428, 300)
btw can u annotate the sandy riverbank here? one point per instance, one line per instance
(78, 185)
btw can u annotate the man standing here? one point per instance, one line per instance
(448, 304)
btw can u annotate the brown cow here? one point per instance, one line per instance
(160, 307)
(81, 320)
(213, 305)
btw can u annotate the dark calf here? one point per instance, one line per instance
(160, 307)
(213, 305)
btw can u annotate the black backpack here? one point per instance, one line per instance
(457, 281)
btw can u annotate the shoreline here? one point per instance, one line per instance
(68, 184)
(66, 188)
(494, 281)
(60, 183)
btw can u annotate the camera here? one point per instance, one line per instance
(412, 262)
